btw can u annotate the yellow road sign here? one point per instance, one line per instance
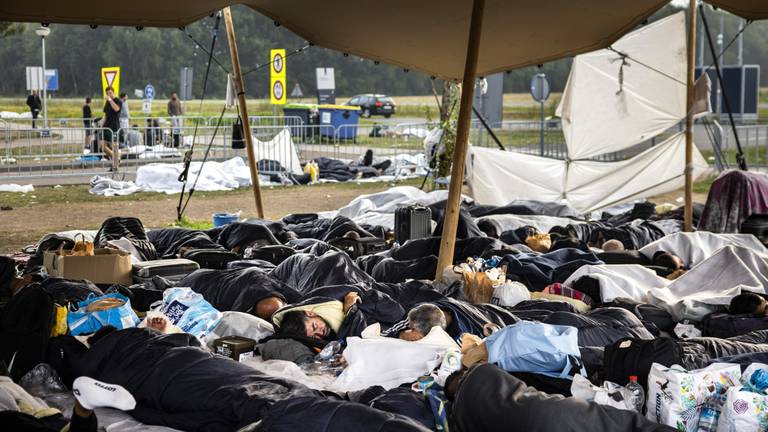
(277, 81)
(110, 77)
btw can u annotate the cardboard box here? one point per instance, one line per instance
(106, 266)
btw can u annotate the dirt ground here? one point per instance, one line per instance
(44, 212)
(25, 224)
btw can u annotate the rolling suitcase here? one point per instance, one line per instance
(412, 222)
(171, 269)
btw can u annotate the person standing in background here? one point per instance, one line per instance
(125, 118)
(175, 111)
(111, 125)
(88, 122)
(35, 105)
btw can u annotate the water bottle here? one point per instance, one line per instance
(451, 363)
(708, 418)
(638, 394)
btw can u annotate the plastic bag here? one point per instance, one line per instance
(189, 311)
(510, 293)
(609, 394)
(42, 380)
(676, 396)
(96, 312)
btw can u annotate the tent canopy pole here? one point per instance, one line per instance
(452, 207)
(240, 89)
(688, 215)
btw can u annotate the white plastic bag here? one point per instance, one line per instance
(610, 394)
(510, 293)
(746, 406)
(675, 395)
(239, 324)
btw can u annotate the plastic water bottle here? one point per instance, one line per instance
(708, 418)
(638, 394)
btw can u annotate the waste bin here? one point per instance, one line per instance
(307, 113)
(338, 121)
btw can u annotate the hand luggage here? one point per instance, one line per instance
(210, 258)
(412, 222)
(171, 269)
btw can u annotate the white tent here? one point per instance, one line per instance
(615, 98)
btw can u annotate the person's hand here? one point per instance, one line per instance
(350, 299)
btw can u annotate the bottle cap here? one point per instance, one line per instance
(633, 378)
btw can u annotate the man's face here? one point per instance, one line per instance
(316, 327)
(173, 96)
(124, 98)
(110, 94)
(678, 262)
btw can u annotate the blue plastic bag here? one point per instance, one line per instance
(546, 349)
(189, 311)
(80, 321)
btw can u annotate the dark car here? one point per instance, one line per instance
(374, 104)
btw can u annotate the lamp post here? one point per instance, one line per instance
(43, 32)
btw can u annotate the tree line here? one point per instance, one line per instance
(157, 56)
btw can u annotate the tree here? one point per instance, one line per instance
(10, 29)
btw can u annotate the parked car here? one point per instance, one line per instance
(374, 104)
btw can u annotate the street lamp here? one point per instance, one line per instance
(43, 32)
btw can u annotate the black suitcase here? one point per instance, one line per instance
(412, 222)
(210, 258)
(171, 269)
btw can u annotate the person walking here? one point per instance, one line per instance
(88, 123)
(125, 118)
(175, 111)
(111, 125)
(35, 105)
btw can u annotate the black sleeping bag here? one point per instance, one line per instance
(489, 400)
(600, 327)
(327, 229)
(464, 248)
(170, 241)
(725, 325)
(394, 271)
(305, 272)
(25, 327)
(237, 235)
(129, 228)
(237, 289)
(539, 270)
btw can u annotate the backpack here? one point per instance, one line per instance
(633, 356)
(551, 350)
(25, 327)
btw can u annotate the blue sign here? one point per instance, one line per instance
(52, 79)
(149, 92)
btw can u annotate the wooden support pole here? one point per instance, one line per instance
(452, 207)
(688, 215)
(240, 89)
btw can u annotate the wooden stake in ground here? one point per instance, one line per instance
(452, 207)
(688, 215)
(240, 89)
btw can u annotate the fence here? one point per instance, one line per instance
(63, 151)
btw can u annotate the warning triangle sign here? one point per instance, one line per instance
(110, 77)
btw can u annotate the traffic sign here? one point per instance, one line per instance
(110, 77)
(296, 92)
(149, 91)
(146, 106)
(277, 94)
(52, 79)
(540, 87)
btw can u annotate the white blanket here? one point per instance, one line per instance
(379, 208)
(713, 282)
(695, 247)
(621, 280)
(389, 362)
